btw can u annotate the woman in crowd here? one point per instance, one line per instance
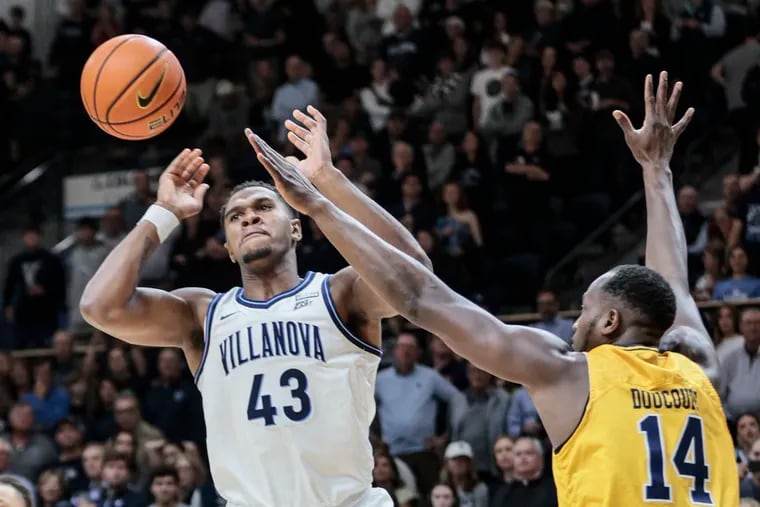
(51, 489)
(385, 475)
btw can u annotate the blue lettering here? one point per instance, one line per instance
(223, 350)
(241, 359)
(305, 332)
(292, 338)
(319, 352)
(266, 346)
(279, 339)
(232, 349)
(250, 344)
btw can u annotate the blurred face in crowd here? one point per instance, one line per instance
(510, 85)
(452, 194)
(754, 455)
(402, 18)
(544, 13)
(479, 379)
(92, 461)
(737, 261)
(731, 188)
(687, 200)
(605, 64)
(442, 496)
(107, 392)
(445, 66)
(85, 234)
(638, 41)
(502, 452)
(165, 489)
(31, 239)
(141, 183)
(747, 429)
(294, 68)
(406, 352)
(494, 57)
(112, 223)
(117, 362)
(459, 467)
(68, 436)
(169, 364)
(379, 70)
(549, 58)
(547, 305)
(470, 142)
(116, 473)
(436, 133)
(396, 126)
(22, 418)
(63, 345)
(186, 473)
(442, 355)
(532, 136)
(170, 454)
(50, 487)
(726, 321)
(750, 328)
(527, 458)
(403, 156)
(426, 241)
(126, 413)
(581, 67)
(20, 374)
(383, 471)
(6, 362)
(124, 443)
(710, 261)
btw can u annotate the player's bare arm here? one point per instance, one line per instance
(356, 302)
(112, 301)
(537, 359)
(666, 248)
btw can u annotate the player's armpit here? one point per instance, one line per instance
(152, 317)
(357, 305)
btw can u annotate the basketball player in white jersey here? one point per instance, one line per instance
(286, 366)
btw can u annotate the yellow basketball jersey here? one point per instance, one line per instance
(653, 433)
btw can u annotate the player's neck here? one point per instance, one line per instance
(261, 285)
(637, 336)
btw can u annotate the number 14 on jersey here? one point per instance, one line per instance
(260, 405)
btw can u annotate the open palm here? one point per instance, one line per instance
(312, 141)
(180, 187)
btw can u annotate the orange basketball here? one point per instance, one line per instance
(133, 87)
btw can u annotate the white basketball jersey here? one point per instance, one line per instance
(288, 398)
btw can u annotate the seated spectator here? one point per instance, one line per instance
(532, 485)
(445, 99)
(92, 463)
(128, 418)
(115, 488)
(726, 335)
(299, 92)
(124, 443)
(505, 461)
(195, 487)
(69, 435)
(750, 486)
(413, 210)
(462, 475)
(385, 475)
(439, 155)
(443, 495)
(477, 417)
(712, 271)
(740, 370)
(747, 431)
(66, 365)
(50, 402)
(376, 98)
(164, 486)
(32, 451)
(740, 286)
(52, 491)
(547, 307)
(522, 417)
(506, 118)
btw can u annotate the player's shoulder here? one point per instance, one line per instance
(199, 299)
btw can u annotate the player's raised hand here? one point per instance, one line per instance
(180, 187)
(310, 139)
(653, 143)
(290, 181)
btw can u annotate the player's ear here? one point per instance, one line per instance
(611, 323)
(295, 230)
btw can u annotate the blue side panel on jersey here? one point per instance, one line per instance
(207, 334)
(327, 297)
(250, 303)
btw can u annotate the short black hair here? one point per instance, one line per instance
(163, 471)
(252, 184)
(19, 486)
(645, 292)
(87, 223)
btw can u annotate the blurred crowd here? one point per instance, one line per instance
(483, 126)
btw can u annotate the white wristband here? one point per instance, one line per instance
(164, 220)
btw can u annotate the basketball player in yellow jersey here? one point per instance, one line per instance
(630, 425)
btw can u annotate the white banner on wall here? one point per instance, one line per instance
(92, 194)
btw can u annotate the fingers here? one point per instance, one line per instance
(177, 165)
(624, 122)
(679, 127)
(297, 129)
(662, 95)
(649, 100)
(299, 143)
(673, 101)
(314, 112)
(199, 175)
(200, 192)
(304, 118)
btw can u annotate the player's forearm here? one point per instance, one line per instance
(334, 185)
(115, 282)
(666, 247)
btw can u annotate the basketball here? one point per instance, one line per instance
(133, 87)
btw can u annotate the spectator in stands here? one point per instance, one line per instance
(92, 463)
(32, 451)
(740, 286)
(712, 271)
(164, 486)
(532, 485)
(69, 436)
(725, 333)
(506, 118)
(505, 462)
(740, 371)
(445, 99)
(172, 404)
(462, 475)
(51, 489)
(485, 87)
(644, 59)
(407, 396)
(375, 97)
(443, 495)
(265, 34)
(128, 418)
(112, 228)
(449, 366)
(385, 475)
(413, 210)
(477, 417)
(364, 30)
(66, 364)
(747, 431)
(439, 156)
(49, 401)
(229, 114)
(34, 293)
(17, 20)
(695, 228)
(547, 306)
(195, 488)
(72, 45)
(522, 417)
(116, 489)
(84, 259)
(124, 443)
(404, 47)
(134, 206)
(300, 91)
(750, 486)
(125, 374)
(106, 25)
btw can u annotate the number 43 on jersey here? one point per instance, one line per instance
(260, 405)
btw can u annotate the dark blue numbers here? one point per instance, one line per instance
(268, 411)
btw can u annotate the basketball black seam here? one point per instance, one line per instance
(100, 71)
(179, 85)
(181, 82)
(137, 76)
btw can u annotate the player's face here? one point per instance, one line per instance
(258, 226)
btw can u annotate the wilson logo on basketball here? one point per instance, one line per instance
(144, 102)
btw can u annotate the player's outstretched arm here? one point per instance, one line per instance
(666, 249)
(113, 303)
(524, 355)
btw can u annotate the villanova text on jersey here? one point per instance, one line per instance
(270, 339)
